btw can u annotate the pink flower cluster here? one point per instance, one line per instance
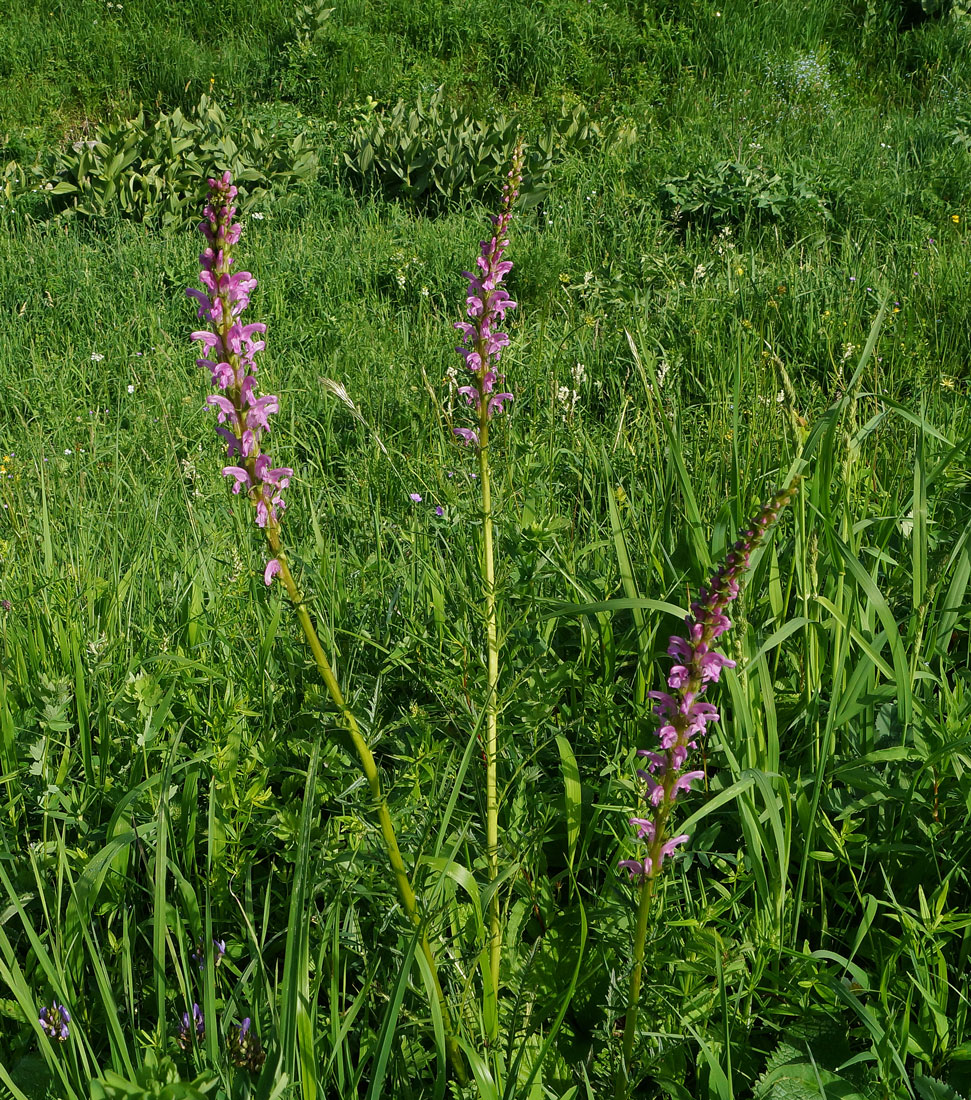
(486, 304)
(230, 356)
(683, 715)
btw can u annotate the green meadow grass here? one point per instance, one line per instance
(171, 770)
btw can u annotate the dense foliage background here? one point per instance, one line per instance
(743, 242)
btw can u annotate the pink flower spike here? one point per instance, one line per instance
(486, 301)
(684, 715)
(272, 568)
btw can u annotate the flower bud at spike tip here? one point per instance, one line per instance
(683, 714)
(230, 348)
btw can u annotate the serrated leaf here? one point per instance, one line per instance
(930, 1088)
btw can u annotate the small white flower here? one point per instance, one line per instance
(68, 451)
(567, 398)
(259, 217)
(96, 357)
(131, 389)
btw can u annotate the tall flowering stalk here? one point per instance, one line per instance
(230, 356)
(487, 302)
(230, 349)
(683, 717)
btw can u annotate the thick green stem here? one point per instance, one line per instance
(402, 881)
(622, 1081)
(491, 708)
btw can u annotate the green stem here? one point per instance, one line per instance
(491, 710)
(403, 883)
(622, 1081)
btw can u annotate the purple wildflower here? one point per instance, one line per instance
(230, 348)
(218, 946)
(487, 302)
(191, 1025)
(245, 1049)
(54, 1021)
(683, 715)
